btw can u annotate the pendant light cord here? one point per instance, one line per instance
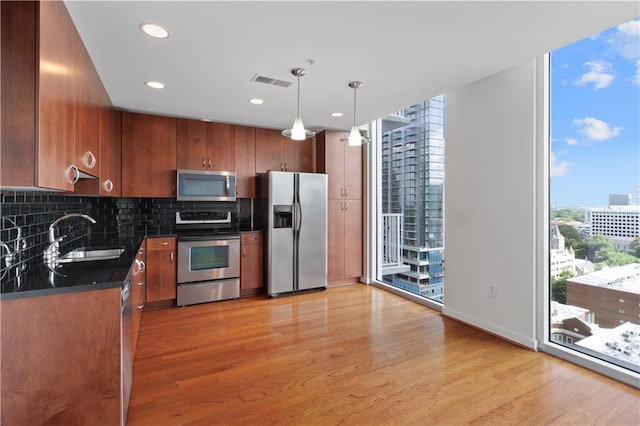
(298, 95)
(354, 106)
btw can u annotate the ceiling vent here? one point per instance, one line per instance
(268, 80)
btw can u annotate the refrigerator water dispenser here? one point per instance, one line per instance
(282, 216)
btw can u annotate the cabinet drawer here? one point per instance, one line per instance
(160, 243)
(251, 238)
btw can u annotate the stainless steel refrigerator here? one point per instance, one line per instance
(295, 207)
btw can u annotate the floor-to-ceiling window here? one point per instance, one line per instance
(595, 196)
(410, 145)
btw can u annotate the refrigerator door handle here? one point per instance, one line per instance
(298, 216)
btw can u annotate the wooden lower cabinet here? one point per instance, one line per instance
(161, 269)
(61, 359)
(344, 241)
(251, 264)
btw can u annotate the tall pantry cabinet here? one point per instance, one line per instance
(343, 165)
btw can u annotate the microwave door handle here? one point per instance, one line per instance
(226, 184)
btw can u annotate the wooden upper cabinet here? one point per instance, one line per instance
(88, 90)
(148, 155)
(269, 145)
(298, 155)
(191, 136)
(56, 97)
(245, 159)
(275, 152)
(220, 147)
(51, 98)
(110, 157)
(204, 146)
(18, 71)
(343, 164)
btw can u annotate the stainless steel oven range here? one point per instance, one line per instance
(208, 258)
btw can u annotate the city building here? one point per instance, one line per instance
(619, 200)
(561, 258)
(412, 162)
(620, 345)
(620, 223)
(570, 324)
(612, 294)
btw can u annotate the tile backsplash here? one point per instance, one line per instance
(26, 217)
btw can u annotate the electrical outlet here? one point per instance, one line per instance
(492, 290)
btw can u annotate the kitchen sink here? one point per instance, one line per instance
(85, 255)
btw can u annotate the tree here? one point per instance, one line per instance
(619, 258)
(571, 235)
(569, 215)
(600, 248)
(559, 286)
(635, 247)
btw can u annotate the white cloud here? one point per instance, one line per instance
(558, 168)
(626, 39)
(571, 141)
(596, 130)
(600, 74)
(636, 78)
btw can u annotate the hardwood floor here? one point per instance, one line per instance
(354, 355)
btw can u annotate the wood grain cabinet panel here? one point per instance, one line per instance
(51, 98)
(275, 152)
(251, 263)
(191, 137)
(58, 41)
(220, 147)
(343, 165)
(204, 146)
(61, 359)
(161, 269)
(87, 113)
(148, 155)
(245, 159)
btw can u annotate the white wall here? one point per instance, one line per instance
(490, 200)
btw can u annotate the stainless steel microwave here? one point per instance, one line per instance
(205, 185)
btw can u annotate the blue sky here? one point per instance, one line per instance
(595, 118)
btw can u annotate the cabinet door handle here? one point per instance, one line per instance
(165, 243)
(143, 267)
(285, 166)
(108, 185)
(141, 306)
(89, 159)
(171, 257)
(346, 193)
(244, 252)
(209, 163)
(76, 174)
(141, 283)
(173, 189)
(204, 163)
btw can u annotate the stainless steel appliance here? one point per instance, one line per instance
(126, 351)
(205, 185)
(208, 258)
(295, 206)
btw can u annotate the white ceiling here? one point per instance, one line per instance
(403, 52)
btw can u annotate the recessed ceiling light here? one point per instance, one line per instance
(154, 84)
(256, 101)
(154, 30)
(337, 114)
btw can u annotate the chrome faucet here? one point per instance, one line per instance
(52, 253)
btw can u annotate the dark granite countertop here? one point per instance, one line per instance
(84, 276)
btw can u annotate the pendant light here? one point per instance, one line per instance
(355, 138)
(298, 132)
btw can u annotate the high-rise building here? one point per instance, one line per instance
(620, 223)
(619, 200)
(413, 188)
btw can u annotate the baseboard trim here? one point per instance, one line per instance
(515, 338)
